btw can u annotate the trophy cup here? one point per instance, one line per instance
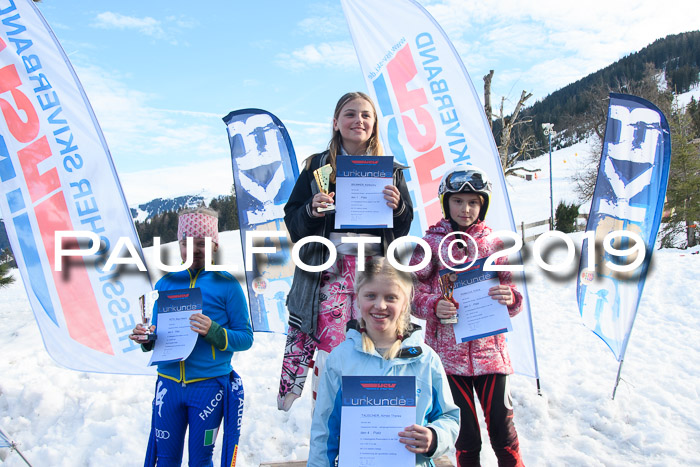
(323, 180)
(146, 302)
(447, 287)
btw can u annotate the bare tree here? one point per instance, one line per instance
(509, 125)
(487, 98)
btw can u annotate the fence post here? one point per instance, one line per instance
(522, 230)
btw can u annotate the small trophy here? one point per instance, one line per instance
(447, 286)
(146, 302)
(323, 180)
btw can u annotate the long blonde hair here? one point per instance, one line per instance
(380, 267)
(374, 146)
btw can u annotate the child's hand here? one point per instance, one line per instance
(321, 200)
(502, 293)
(139, 333)
(392, 196)
(418, 439)
(445, 309)
(200, 323)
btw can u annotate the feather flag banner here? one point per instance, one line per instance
(264, 172)
(56, 174)
(628, 198)
(430, 119)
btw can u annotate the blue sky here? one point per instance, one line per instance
(161, 74)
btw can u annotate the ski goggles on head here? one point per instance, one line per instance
(456, 181)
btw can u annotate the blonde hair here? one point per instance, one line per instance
(374, 146)
(380, 267)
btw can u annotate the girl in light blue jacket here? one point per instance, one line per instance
(384, 343)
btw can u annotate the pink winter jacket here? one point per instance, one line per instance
(483, 356)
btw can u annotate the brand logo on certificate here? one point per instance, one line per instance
(375, 409)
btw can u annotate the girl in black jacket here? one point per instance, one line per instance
(321, 303)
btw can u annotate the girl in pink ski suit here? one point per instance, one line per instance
(481, 365)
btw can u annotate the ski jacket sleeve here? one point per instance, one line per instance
(238, 332)
(426, 295)
(297, 212)
(216, 336)
(325, 425)
(443, 419)
(403, 215)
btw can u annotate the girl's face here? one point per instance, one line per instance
(198, 250)
(381, 302)
(356, 123)
(464, 208)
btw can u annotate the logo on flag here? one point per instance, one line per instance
(264, 172)
(431, 118)
(628, 196)
(56, 174)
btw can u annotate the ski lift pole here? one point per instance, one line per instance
(617, 380)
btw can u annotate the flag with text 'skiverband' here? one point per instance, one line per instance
(56, 174)
(430, 118)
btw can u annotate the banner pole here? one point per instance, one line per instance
(20, 454)
(539, 388)
(617, 380)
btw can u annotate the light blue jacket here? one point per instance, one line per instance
(222, 301)
(434, 405)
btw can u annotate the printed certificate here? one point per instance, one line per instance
(478, 314)
(359, 183)
(175, 338)
(375, 409)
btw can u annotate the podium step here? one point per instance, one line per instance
(443, 461)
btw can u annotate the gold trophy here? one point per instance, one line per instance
(447, 287)
(323, 180)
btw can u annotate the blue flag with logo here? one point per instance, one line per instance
(629, 197)
(264, 171)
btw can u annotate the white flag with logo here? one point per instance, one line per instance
(431, 118)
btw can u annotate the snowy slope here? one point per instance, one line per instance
(64, 418)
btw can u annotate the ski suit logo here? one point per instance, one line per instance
(160, 395)
(235, 384)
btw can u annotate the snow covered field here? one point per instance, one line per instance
(61, 417)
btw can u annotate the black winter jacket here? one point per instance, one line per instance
(303, 298)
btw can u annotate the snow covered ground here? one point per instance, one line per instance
(61, 417)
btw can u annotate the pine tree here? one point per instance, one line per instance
(683, 193)
(694, 110)
(5, 277)
(646, 88)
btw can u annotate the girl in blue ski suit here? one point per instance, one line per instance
(203, 389)
(384, 343)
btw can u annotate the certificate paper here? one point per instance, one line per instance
(175, 338)
(359, 184)
(478, 314)
(375, 409)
